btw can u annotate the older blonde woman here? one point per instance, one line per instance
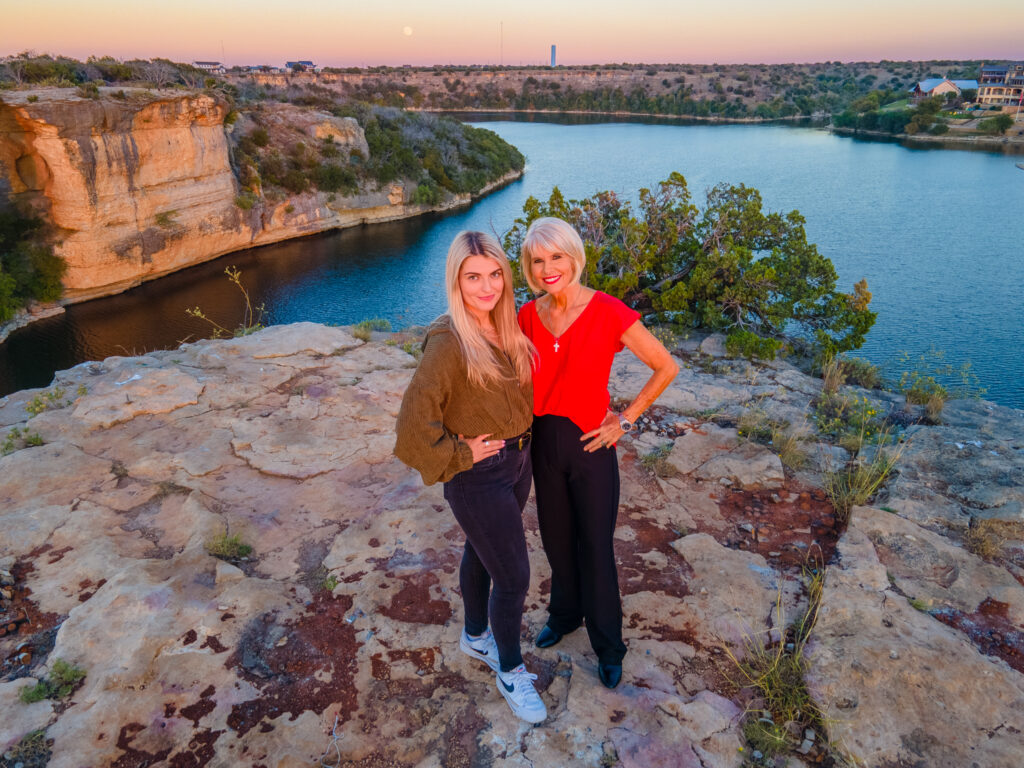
(465, 421)
(577, 332)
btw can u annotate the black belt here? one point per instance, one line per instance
(519, 441)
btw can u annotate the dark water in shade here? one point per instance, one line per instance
(939, 234)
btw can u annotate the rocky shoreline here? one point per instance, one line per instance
(340, 626)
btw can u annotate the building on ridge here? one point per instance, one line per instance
(210, 66)
(940, 86)
(1002, 85)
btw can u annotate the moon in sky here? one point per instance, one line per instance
(407, 31)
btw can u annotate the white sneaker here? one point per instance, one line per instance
(483, 648)
(517, 688)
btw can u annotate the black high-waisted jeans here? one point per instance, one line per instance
(488, 501)
(577, 505)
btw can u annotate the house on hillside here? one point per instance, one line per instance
(214, 67)
(1002, 85)
(940, 86)
(301, 66)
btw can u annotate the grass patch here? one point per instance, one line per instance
(855, 484)
(33, 751)
(228, 547)
(832, 375)
(983, 539)
(364, 328)
(859, 371)
(61, 683)
(774, 671)
(656, 462)
(330, 582)
(787, 444)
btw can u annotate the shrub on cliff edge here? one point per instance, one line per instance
(730, 266)
(29, 269)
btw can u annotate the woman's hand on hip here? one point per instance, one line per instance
(482, 446)
(605, 435)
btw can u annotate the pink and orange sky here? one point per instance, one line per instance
(367, 33)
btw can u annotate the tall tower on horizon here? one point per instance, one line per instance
(552, 55)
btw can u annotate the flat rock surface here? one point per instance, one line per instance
(344, 618)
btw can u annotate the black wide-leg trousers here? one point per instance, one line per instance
(577, 505)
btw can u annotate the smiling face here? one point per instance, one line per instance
(552, 270)
(481, 283)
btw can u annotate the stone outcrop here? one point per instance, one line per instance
(140, 185)
(338, 633)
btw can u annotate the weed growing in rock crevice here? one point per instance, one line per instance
(33, 751)
(785, 718)
(64, 678)
(228, 547)
(860, 479)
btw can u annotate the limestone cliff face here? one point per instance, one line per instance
(141, 186)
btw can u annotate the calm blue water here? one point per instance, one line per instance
(937, 234)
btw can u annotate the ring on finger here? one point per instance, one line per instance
(487, 442)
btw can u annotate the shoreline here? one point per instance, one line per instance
(25, 316)
(815, 122)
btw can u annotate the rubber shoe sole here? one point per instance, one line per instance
(530, 715)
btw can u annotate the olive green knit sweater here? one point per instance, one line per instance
(440, 404)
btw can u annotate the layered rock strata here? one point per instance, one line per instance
(141, 185)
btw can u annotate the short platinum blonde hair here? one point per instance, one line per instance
(555, 236)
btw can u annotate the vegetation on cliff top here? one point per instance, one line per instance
(729, 266)
(437, 155)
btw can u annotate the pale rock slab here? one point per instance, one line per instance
(732, 594)
(895, 683)
(146, 391)
(21, 719)
(747, 466)
(700, 445)
(928, 567)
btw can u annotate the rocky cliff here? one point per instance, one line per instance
(138, 184)
(337, 634)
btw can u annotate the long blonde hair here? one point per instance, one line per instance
(482, 367)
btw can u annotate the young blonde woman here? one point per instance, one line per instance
(465, 421)
(577, 332)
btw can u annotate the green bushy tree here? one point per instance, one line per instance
(29, 269)
(728, 265)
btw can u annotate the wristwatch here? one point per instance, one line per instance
(625, 424)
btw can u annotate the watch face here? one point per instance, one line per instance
(625, 426)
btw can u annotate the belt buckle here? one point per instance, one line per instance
(523, 438)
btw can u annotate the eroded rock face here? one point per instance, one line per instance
(141, 185)
(346, 615)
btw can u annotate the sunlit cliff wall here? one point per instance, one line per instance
(139, 186)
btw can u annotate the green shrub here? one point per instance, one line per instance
(364, 328)
(29, 269)
(32, 99)
(731, 266)
(60, 684)
(260, 137)
(89, 91)
(165, 219)
(335, 178)
(861, 372)
(246, 200)
(743, 343)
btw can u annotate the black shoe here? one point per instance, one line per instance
(610, 674)
(547, 637)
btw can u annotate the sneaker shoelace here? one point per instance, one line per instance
(522, 681)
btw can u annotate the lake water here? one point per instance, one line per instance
(937, 233)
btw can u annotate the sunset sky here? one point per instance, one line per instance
(340, 33)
